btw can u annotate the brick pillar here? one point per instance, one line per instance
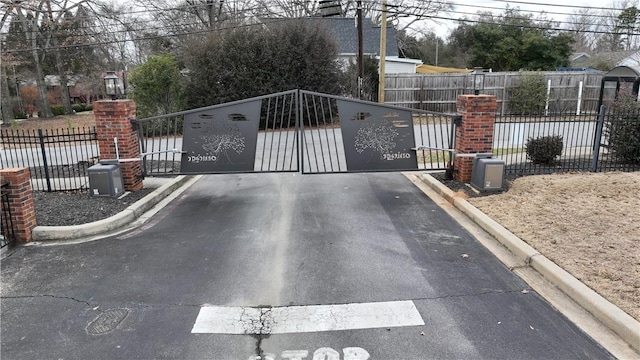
(23, 212)
(475, 134)
(113, 121)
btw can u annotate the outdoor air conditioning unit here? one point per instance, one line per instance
(105, 179)
(487, 173)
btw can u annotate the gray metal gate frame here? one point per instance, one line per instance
(296, 131)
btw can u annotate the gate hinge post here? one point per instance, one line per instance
(134, 124)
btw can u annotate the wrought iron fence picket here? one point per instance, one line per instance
(57, 159)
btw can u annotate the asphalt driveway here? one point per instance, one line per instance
(282, 266)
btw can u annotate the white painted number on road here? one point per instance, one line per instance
(324, 353)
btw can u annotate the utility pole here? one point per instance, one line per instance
(383, 51)
(360, 50)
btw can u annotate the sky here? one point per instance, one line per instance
(556, 10)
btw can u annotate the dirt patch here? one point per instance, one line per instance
(84, 119)
(587, 223)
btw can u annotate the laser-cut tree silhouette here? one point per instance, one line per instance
(217, 141)
(378, 135)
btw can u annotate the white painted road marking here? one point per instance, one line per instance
(301, 319)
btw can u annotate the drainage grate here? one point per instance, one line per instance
(107, 321)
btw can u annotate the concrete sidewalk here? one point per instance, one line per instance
(625, 326)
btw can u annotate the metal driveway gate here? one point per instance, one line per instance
(296, 131)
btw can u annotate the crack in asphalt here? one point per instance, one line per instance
(94, 305)
(528, 290)
(49, 296)
(263, 330)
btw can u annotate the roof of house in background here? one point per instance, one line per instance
(580, 56)
(345, 33)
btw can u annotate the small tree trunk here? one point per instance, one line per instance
(7, 106)
(32, 34)
(63, 80)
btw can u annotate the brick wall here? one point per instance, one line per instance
(475, 134)
(113, 121)
(23, 213)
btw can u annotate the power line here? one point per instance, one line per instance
(186, 33)
(538, 12)
(142, 38)
(556, 5)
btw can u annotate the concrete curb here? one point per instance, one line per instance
(613, 317)
(123, 218)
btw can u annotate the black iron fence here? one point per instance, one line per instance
(7, 236)
(581, 142)
(297, 131)
(57, 159)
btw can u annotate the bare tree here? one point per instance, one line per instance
(7, 107)
(44, 30)
(29, 15)
(612, 39)
(406, 15)
(584, 24)
(287, 9)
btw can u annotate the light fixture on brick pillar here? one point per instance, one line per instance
(478, 80)
(111, 84)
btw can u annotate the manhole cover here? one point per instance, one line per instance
(107, 321)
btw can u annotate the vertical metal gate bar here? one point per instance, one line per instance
(62, 158)
(175, 142)
(326, 133)
(64, 155)
(421, 133)
(300, 132)
(315, 111)
(529, 135)
(575, 153)
(306, 101)
(30, 140)
(440, 153)
(273, 133)
(282, 115)
(153, 146)
(597, 140)
(280, 129)
(286, 138)
(452, 142)
(143, 147)
(335, 139)
(264, 132)
(427, 153)
(164, 131)
(44, 160)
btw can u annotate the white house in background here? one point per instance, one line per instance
(398, 65)
(631, 59)
(345, 33)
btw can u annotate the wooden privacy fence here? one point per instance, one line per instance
(567, 91)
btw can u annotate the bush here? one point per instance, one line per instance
(157, 86)
(529, 96)
(244, 63)
(624, 140)
(57, 110)
(79, 107)
(623, 127)
(544, 150)
(19, 115)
